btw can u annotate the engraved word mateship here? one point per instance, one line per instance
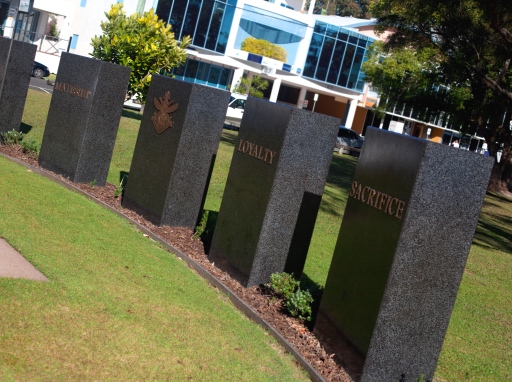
(161, 118)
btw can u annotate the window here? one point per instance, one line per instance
(74, 41)
(336, 55)
(208, 22)
(203, 73)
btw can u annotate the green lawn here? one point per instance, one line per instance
(478, 345)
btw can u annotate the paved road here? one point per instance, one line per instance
(40, 84)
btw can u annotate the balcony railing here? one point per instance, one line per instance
(45, 43)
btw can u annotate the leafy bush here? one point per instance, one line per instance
(30, 147)
(12, 137)
(264, 48)
(283, 284)
(254, 87)
(142, 42)
(296, 301)
(299, 304)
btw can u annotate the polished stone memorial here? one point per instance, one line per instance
(273, 191)
(407, 229)
(16, 60)
(175, 151)
(83, 118)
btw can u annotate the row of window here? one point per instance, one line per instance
(204, 73)
(207, 21)
(335, 56)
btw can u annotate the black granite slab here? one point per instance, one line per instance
(273, 191)
(83, 118)
(401, 251)
(16, 60)
(170, 168)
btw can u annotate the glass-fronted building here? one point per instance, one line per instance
(322, 57)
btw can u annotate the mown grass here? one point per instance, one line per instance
(117, 306)
(478, 344)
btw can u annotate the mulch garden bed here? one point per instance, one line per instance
(325, 359)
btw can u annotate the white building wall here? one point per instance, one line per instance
(87, 20)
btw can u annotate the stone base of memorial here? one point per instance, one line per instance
(83, 118)
(406, 233)
(273, 191)
(175, 151)
(16, 60)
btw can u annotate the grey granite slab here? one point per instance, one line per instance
(406, 233)
(83, 118)
(273, 191)
(170, 169)
(16, 60)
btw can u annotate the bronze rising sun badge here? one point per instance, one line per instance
(161, 118)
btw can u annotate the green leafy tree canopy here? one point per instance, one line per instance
(354, 8)
(264, 48)
(254, 87)
(142, 42)
(471, 42)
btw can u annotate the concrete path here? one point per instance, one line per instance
(13, 265)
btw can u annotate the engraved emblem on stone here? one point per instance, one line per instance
(161, 118)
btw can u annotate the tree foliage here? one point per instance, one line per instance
(354, 8)
(254, 87)
(264, 48)
(140, 41)
(470, 44)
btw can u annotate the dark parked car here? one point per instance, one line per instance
(349, 141)
(39, 70)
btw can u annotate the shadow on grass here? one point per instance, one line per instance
(132, 114)
(229, 137)
(493, 228)
(24, 128)
(207, 226)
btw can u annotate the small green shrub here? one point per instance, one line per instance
(202, 225)
(12, 137)
(92, 183)
(283, 284)
(119, 190)
(299, 304)
(30, 147)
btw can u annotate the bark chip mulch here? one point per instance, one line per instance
(333, 363)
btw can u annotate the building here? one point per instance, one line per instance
(322, 71)
(324, 53)
(57, 26)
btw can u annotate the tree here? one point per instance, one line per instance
(142, 42)
(354, 8)
(264, 48)
(254, 87)
(471, 43)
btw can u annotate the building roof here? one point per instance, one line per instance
(346, 22)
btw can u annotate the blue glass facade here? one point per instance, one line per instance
(272, 27)
(208, 22)
(335, 56)
(204, 73)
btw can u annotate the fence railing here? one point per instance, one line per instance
(45, 43)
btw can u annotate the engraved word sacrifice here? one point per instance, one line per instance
(376, 199)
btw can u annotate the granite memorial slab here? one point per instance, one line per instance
(83, 118)
(406, 233)
(175, 151)
(273, 191)
(16, 60)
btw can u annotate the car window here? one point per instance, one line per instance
(238, 104)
